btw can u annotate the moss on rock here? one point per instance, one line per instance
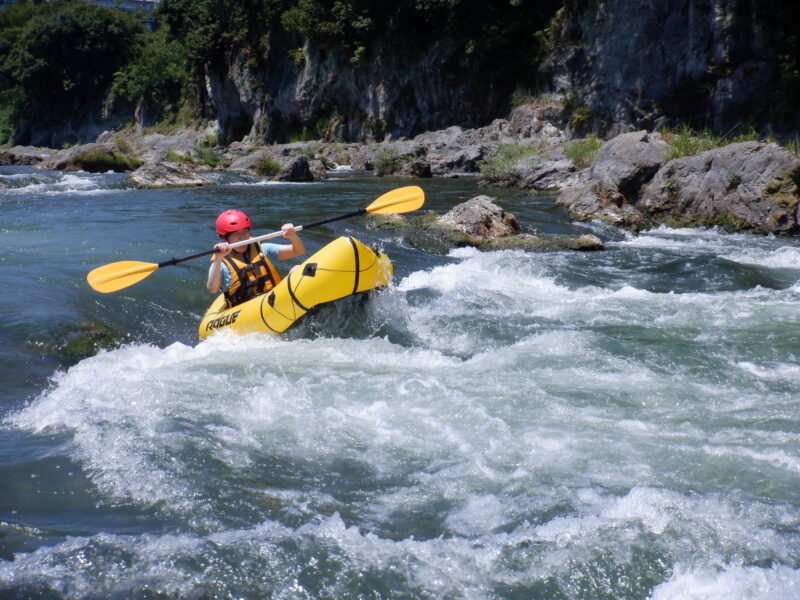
(101, 161)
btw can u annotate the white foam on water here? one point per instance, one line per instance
(741, 248)
(690, 239)
(328, 554)
(524, 288)
(58, 183)
(774, 457)
(734, 582)
(784, 257)
(549, 460)
(270, 183)
(778, 371)
(129, 411)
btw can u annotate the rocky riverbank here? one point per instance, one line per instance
(630, 182)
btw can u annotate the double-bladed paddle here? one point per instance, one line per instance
(118, 275)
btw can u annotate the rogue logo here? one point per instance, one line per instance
(222, 321)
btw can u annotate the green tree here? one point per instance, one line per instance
(13, 19)
(156, 74)
(64, 59)
(211, 30)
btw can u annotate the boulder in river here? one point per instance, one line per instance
(25, 155)
(479, 223)
(608, 189)
(480, 218)
(280, 164)
(296, 169)
(166, 174)
(92, 158)
(746, 186)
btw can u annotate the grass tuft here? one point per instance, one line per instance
(581, 152)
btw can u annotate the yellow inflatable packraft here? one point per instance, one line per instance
(342, 268)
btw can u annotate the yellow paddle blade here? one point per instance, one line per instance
(118, 275)
(404, 199)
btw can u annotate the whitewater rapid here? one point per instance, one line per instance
(515, 426)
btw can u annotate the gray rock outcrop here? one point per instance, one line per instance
(610, 186)
(296, 169)
(479, 223)
(63, 159)
(625, 163)
(480, 218)
(25, 155)
(746, 186)
(155, 146)
(282, 163)
(166, 174)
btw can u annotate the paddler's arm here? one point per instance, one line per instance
(296, 249)
(214, 275)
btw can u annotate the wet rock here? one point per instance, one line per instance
(480, 218)
(400, 158)
(527, 241)
(166, 174)
(64, 159)
(88, 340)
(249, 162)
(92, 158)
(25, 155)
(417, 167)
(102, 161)
(586, 200)
(609, 188)
(478, 223)
(296, 169)
(182, 142)
(281, 164)
(69, 344)
(745, 186)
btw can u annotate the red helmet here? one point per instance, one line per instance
(232, 220)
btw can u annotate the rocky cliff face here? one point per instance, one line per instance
(620, 65)
(401, 89)
(644, 64)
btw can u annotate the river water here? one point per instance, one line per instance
(618, 424)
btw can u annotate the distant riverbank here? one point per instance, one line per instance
(633, 180)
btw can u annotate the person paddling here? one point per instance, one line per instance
(246, 271)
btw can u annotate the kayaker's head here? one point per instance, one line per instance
(234, 226)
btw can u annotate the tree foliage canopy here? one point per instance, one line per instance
(65, 56)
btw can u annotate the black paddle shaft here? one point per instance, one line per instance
(355, 213)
